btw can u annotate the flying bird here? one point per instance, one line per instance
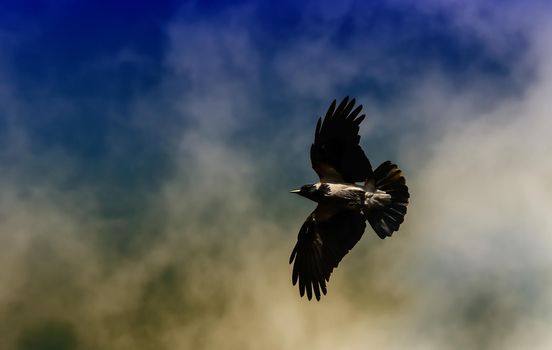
(348, 194)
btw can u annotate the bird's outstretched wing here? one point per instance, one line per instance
(324, 239)
(335, 153)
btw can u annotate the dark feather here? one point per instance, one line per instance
(385, 221)
(335, 152)
(320, 247)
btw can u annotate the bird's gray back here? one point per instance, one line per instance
(348, 195)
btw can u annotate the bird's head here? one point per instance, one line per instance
(308, 191)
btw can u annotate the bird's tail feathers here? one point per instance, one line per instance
(386, 209)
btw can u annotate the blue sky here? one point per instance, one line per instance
(104, 57)
(79, 70)
(147, 150)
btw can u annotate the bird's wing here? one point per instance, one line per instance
(335, 153)
(324, 239)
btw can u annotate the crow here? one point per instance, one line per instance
(348, 194)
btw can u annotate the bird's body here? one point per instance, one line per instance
(344, 205)
(347, 196)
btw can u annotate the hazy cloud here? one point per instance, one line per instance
(208, 266)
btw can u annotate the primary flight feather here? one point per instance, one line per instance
(348, 194)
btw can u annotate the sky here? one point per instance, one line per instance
(147, 150)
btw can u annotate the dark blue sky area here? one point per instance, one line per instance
(78, 69)
(100, 56)
(94, 57)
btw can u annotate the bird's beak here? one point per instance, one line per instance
(294, 191)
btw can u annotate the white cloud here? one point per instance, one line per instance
(469, 269)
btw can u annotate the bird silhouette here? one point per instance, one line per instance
(348, 194)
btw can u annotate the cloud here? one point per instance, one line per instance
(208, 266)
